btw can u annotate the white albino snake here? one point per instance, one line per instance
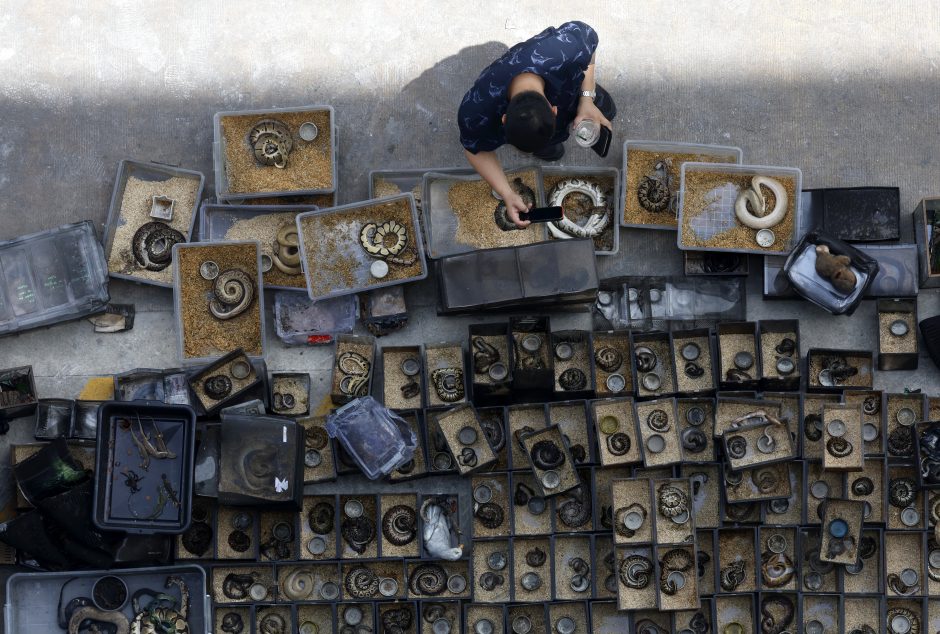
(755, 197)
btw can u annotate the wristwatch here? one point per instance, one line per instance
(589, 93)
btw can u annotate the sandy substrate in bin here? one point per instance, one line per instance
(203, 334)
(667, 531)
(867, 581)
(268, 520)
(451, 614)
(524, 522)
(897, 402)
(461, 568)
(933, 408)
(243, 611)
(496, 415)
(578, 206)
(768, 355)
(731, 344)
(386, 502)
(813, 405)
(542, 353)
(366, 350)
(852, 513)
(198, 382)
(501, 497)
(322, 615)
(440, 357)
(265, 228)
(579, 360)
(534, 613)
(684, 618)
(697, 198)
(519, 417)
(788, 534)
(480, 554)
(860, 611)
(603, 548)
(322, 573)
(620, 343)
(641, 163)
(872, 471)
(575, 611)
(566, 549)
(685, 382)
(368, 510)
(583, 494)
(502, 346)
(687, 596)
(451, 423)
(323, 201)
(890, 343)
(855, 461)
(135, 212)
(894, 513)
(224, 529)
(473, 205)
(707, 428)
(395, 379)
(326, 470)
(822, 609)
(309, 164)
(387, 607)
(478, 612)
(626, 493)
(672, 452)
(752, 433)
(602, 487)
(420, 460)
(705, 543)
(738, 545)
(306, 534)
(862, 379)
(572, 421)
(903, 550)
(623, 411)
(664, 367)
(728, 411)
(283, 611)
(636, 598)
(567, 471)
(735, 609)
(706, 505)
(748, 491)
(264, 574)
(383, 569)
(298, 388)
(336, 257)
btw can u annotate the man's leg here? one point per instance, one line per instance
(605, 103)
(552, 152)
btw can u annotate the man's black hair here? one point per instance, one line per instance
(530, 122)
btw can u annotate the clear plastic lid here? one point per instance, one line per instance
(377, 439)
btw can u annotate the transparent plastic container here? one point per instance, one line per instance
(178, 301)
(215, 221)
(343, 242)
(155, 172)
(32, 597)
(440, 221)
(51, 276)
(800, 269)
(298, 320)
(726, 154)
(218, 153)
(720, 215)
(613, 201)
(375, 437)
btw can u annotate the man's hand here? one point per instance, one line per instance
(514, 206)
(587, 110)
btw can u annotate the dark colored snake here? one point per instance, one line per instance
(361, 583)
(732, 576)
(320, 518)
(501, 217)
(427, 580)
(397, 621)
(235, 586)
(900, 442)
(771, 624)
(271, 142)
(152, 245)
(675, 560)
(493, 430)
(399, 525)
(654, 192)
(233, 293)
(574, 513)
(448, 384)
(536, 557)
(485, 355)
(902, 492)
(618, 443)
(490, 515)
(546, 454)
(635, 571)
(572, 379)
(217, 387)
(358, 532)
(608, 359)
(838, 447)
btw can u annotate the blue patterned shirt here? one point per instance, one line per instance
(559, 56)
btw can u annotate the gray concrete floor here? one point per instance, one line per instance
(846, 91)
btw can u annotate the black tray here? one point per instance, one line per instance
(116, 507)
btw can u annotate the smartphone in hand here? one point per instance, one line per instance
(602, 145)
(542, 214)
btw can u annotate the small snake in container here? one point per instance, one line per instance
(428, 580)
(675, 560)
(574, 513)
(361, 583)
(755, 197)
(271, 142)
(600, 212)
(320, 518)
(635, 571)
(399, 525)
(546, 455)
(397, 621)
(501, 216)
(358, 532)
(491, 515)
(233, 292)
(287, 250)
(152, 245)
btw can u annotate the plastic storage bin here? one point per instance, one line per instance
(254, 312)
(719, 215)
(440, 222)
(375, 437)
(215, 221)
(34, 599)
(722, 154)
(183, 219)
(344, 225)
(135, 490)
(222, 182)
(611, 232)
(299, 320)
(51, 276)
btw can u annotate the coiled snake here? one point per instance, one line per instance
(388, 241)
(152, 245)
(271, 142)
(233, 293)
(600, 214)
(501, 216)
(160, 616)
(361, 583)
(427, 580)
(755, 197)
(287, 250)
(399, 525)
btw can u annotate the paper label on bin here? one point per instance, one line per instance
(284, 433)
(280, 485)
